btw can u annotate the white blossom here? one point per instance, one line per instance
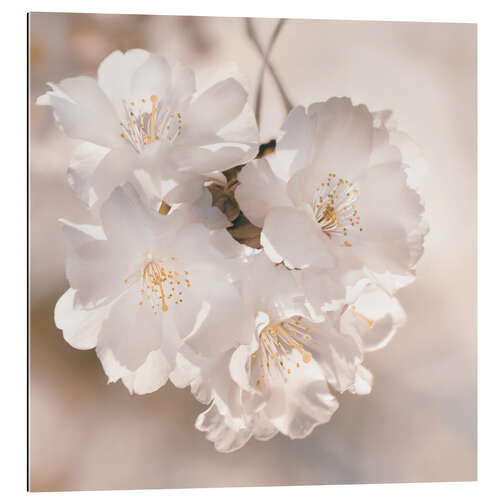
(142, 285)
(145, 119)
(283, 380)
(335, 196)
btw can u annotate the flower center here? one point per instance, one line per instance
(276, 343)
(334, 207)
(161, 281)
(143, 127)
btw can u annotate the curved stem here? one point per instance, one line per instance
(265, 63)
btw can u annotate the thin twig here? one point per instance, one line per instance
(265, 55)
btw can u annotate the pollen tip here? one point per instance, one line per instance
(306, 357)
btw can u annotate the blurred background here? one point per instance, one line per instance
(419, 422)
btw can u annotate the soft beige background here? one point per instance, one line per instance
(419, 423)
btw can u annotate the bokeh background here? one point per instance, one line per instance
(419, 423)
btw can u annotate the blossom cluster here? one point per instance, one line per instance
(260, 281)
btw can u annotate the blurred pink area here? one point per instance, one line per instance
(419, 423)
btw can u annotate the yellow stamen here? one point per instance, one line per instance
(370, 322)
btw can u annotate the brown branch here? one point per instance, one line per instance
(267, 64)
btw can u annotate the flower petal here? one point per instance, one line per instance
(83, 111)
(323, 289)
(113, 369)
(86, 159)
(216, 107)
(115, 72)
(178, 187)
(131, 331)
(150, 376)
(375, 316)
(296, 143)
(291, 235)
(296, 407)
(363, 383)
(259, 191)
(391, 213)
(225, 438)
(129, 222)
(271, 289)
(114, 170)
(183, 87)
(80, 327)
(337, 353)
(97, 270)
(343, 138)
(203, 212)
(80, 234)
(223, 320)
(207, 154)
(153, 77)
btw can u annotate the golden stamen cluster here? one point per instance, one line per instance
(142, 127)
(161, 282)
(334, 207)
(276, 343)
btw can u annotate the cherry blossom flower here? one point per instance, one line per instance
(145, 117)
(142, 285)
(335, 196)
(282, 380)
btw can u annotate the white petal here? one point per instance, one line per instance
(338, 354)
(115, 72)
(153, 77)
(216, 107)
(375, 316)
(292, 236)
(129, 222)
(303, 402)
(259, 191)
(238, 366)
(363, 383)
(271, 289)
(184, 373)
(296, 144)
(390, 282)
(97, 270)
(343, 137)
(112, 367)
(86, 158)
(263, 428)
(391, 219)
(114, 170)
(243, 129)
(80, 327)
(83, 111)
(178, 187)
(183, 87)
(131, 331)
(203, 212)
(227, 245)
(150, 376)
(215, 382)
(323, 289)
(226, 322)
(80, 234)
(205, 155)
(202, 392)
(225, 438)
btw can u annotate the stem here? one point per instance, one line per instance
(265, 63)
